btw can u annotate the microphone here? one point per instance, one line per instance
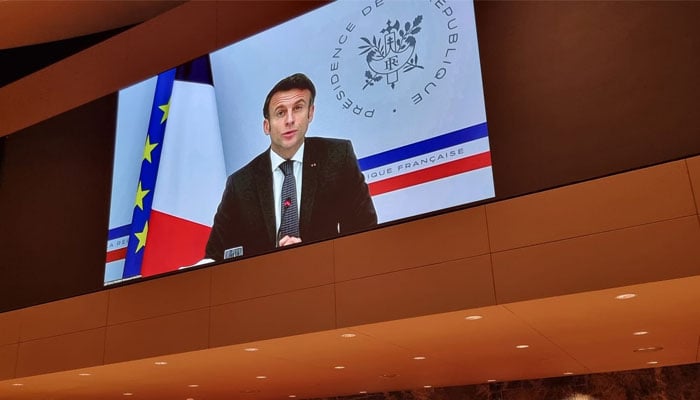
(286, 203)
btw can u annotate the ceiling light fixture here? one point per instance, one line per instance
(427, 386)
(362, 392)
(649, 349)
(522, 346)
(18, 384)
(491, 381)
(625, 296)
(419, 358)
(251, 349)
(194, 385)
(292, 396)
(652, 362)
(339, 367)
(348, 335)
(161, 363)
(84, 374)
(568, 373)
(127, 394)
(640, 333)
(473, 317)
(261, 377)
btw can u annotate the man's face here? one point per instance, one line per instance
(290, 115)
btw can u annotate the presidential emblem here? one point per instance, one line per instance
(391, 53)
(390, 56)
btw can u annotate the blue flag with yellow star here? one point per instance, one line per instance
(149, 171)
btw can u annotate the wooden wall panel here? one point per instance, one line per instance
(60, 353)
(159, 297)
(176, 333)
(694, 172)
(437, 288)
(447, 237)
(67, 316)
(8, 361)
(9, 327)
(291, 269)
(646, 253)
(285, 314)
(619, 201)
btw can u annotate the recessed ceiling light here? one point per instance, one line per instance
(194, 385)
(128, 394)
(18, 384)
(362, 392)
(339, 367)
(640, 333)
(251, 349)
(189, 398)
(625, 296)
(84, 374)
(568, 373)
(522, 346)
(652, 362)
(473, 317)
(491, 381)
(580, 396)
(292, 396)
(649, 349)
(261, 377)
(419, 358)
(161, 363)
(427, 386)
(348, 335)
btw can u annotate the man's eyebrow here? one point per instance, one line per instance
(282, 105)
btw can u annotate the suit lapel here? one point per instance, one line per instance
(309, 184)
(263, 182)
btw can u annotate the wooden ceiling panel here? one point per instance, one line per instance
(580, 333)
(29, 22)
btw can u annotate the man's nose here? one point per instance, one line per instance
(289, 119)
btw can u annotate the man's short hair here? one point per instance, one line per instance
(296, 81)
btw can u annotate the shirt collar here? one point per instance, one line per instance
(276, 160)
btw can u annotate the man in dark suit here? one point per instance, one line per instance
(258, 206)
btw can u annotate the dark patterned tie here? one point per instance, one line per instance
(289, 224)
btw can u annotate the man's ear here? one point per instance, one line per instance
(266, 126)
(311, 112)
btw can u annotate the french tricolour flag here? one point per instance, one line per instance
(191, 175)
(169, 230)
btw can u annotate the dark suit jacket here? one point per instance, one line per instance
(334, 200)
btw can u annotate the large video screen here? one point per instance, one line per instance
(393, 127)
